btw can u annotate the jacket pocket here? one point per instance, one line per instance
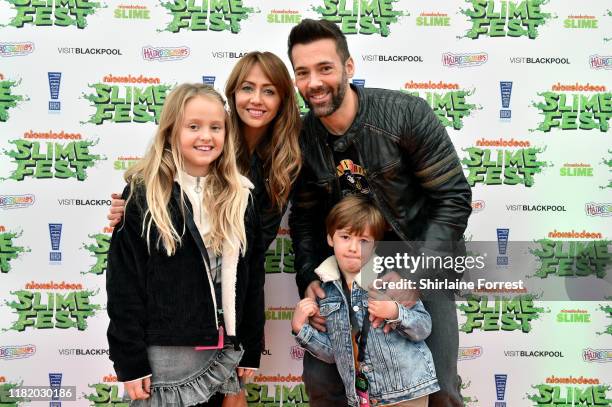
(335, 320)
(328, 308)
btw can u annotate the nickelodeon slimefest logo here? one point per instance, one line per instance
(99, 251)
(213, 15)
(62, 306)
(515, 164)
(576, 170)
(447, 100)
(61, 13)
(106, 393)
(574, 258)
(433, 19)
(580, 316)
(127, 99)
(7, 99)
(284, 17)
(280, 259)
(6, 387)
(580, 21)
(361, 16)
(570, 391)
(8, 251)
(132, 12)
(292, 394)
(65, 155)
(495, 18)
(122, 163)
(499, 313)
(565, 109)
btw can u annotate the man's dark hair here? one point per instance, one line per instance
(309, 30)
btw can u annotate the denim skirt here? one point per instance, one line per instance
(183, 376)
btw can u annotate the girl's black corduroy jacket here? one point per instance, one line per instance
(154, 299)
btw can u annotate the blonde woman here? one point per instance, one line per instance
(182, 265)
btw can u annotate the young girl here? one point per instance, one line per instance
(180, 266)
(265, 117)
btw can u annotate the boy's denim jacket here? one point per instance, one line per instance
(398, 365)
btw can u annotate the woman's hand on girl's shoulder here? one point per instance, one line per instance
(139, 389)
(116, 211)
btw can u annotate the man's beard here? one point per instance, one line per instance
(337, 96)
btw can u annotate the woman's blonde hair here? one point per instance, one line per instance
(224, 197)
(281, 155)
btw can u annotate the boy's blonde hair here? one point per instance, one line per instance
(224, 198)
(356, 213)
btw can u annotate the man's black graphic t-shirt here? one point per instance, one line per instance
(351, 175)
(349, 171)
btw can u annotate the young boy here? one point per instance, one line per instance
(395, 368)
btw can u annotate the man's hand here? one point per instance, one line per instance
(304, 309)
(116, 210)
(314, 291)
(405, 297)
(138, 389)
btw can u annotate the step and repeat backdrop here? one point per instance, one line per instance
(522, 87)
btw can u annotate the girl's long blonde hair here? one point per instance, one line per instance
(224, 196)
(282, 159)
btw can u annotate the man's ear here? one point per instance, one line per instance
(349, 65)
(330, 241)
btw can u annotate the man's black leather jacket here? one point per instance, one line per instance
(411, 166)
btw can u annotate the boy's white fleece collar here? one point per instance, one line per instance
(329, 270)
(229, 260)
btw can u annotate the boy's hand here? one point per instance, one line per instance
(304, 309)
(116, 210)
(405, 297)
(314, 291)
(383, 309)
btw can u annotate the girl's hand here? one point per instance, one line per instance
(383, 309)
(306, 308)
(138, 389)
(235, 400)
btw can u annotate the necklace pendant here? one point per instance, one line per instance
(198, 187)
